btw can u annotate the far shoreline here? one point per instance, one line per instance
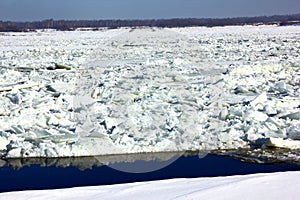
(72, 25)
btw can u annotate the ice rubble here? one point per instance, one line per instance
(149, 90)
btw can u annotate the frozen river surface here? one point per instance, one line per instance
(126, 91)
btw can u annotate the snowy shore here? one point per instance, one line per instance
(149, 90)
(283, 185)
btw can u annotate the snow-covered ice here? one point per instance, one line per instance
(149, 90)
(283, 185)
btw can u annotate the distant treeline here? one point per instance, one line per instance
(187, 22)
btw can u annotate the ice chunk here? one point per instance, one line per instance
(282, 143)
(3, 143)
(60, 86)
(223, 114)
(14, 97)
(295, 116)
(256, 116)
(260, 99)
(53, 120)
(280, 86)
(271, 126)
(293, 131)
(18, 129)
(270, 110)
(15, 153)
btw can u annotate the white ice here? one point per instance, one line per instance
(149, 90)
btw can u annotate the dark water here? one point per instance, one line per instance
(36, 176)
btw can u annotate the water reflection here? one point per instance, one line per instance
(266, 156)
(84, 163)
(145, 162)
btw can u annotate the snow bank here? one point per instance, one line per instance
(284, 185)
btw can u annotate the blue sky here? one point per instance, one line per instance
(28, 10)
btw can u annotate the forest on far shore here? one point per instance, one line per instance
(6, 26)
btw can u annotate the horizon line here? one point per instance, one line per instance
(147, 19)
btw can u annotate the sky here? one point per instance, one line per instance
(30, 10)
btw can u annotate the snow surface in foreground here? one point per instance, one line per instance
(284, 185)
